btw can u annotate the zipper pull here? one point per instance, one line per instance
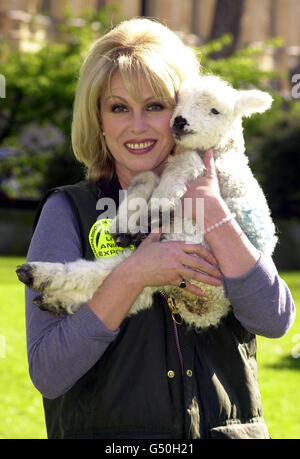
(175, 312)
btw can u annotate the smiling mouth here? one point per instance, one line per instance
(140, 147)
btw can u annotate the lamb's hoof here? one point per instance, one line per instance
(138, 238)
(25, 274)
(123, 239)
(39, 302)
(43, 305)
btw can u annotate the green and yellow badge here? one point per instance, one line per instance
(101, 241)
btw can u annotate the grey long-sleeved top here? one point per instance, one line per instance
(61, 349)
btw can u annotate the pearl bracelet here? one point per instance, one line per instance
(220, 223)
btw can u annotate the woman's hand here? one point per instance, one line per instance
(157, 263)
(207, 188)
(234, 253)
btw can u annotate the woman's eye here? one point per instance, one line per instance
(155, 107)
(117, 108)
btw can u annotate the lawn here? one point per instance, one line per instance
(21, 411)
(279, 374)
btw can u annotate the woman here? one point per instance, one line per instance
(103, 375)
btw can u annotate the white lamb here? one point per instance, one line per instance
(208, 115)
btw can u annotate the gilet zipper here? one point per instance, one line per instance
(176, 320)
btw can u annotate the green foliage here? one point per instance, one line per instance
(35, 117)
(242, 69)
(277, 163)
(40, 91)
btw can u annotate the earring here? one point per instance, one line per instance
(103, 133)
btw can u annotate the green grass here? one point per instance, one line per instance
(21, 411)
(279, 374)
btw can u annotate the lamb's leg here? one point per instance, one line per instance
(50, 277)
(64, 303)
(67, 285)
(178, 172)
(131, 224)
(61, 305)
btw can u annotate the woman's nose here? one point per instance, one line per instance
(139, 123)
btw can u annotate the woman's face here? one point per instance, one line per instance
(137, 134)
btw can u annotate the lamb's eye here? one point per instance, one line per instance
(215, 111)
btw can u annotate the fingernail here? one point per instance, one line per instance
(218, 273)
(213, 259)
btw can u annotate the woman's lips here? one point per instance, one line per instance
(140, 147)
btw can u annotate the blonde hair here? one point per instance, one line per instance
(138, 48)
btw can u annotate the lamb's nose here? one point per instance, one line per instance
(179, 123)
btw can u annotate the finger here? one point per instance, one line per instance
(188, 273)
(154, 236)
(200, 264)
(194, 289)
(209, 163)
(198, 249)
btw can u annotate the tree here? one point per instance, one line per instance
(277, 163)
(36, 115)
(227, 21)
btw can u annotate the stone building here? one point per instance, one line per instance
(28, 23)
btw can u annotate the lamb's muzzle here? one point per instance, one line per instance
(179, 123)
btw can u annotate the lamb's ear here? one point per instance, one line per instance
(252, 101)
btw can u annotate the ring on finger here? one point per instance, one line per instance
(182, 284)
